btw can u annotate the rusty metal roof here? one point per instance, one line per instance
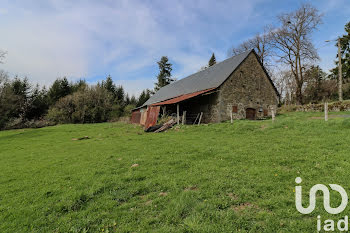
(209, 78)
(182, 97)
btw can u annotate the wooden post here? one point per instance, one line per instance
(231, 116)
(178, 114)
(273, 113)
(196, 119)
(326, 111)
(184, 117)
(200, 118)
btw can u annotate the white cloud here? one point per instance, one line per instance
(56, 38)
(46, 39)
(42, 47)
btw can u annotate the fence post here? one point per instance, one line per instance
(184, 117)
(273, 113)
(326, 111)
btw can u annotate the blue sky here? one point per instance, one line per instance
(46, 39)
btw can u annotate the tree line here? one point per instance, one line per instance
(287, 51)
(25, 105)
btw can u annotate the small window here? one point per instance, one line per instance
(265, 112)
(234, 109)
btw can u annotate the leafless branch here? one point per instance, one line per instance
(260, 43)
(2, 55)
(292, 42)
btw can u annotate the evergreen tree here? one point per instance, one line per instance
(21, 90)
(38, 103)
(120, 94)
(79, 85)
(212, 60)
(164, 76)
(314, 80)
(14, 100)
(127, 99)
(21, 87)
(144, 96)
(130, 100)
(345, 53)
(60, 88)
(133, 100)
(109, 85)
(8, 104)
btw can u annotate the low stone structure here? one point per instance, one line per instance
(239, 87)
(337, 106)
(248, 93)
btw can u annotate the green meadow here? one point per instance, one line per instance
(210, 178)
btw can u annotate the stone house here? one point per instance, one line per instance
(238, 86)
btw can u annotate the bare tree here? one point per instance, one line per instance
(261, 44)
(3, 77)
(292, 42)
(2, 55)
(285, 84)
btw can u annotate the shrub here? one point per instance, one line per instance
(90, 105)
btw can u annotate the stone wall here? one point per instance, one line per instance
(332, 107)
(247, 87)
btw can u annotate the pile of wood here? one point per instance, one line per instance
(166, 126)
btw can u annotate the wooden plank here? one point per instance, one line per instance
(166, 126)
(184, 117)
(178, 113)
(196, 119)
(200, 118)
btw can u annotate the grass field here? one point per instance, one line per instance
(208, 178)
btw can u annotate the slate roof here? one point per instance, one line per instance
(209, 78)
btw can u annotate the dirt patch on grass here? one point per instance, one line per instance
(262, 127)
(148, 203)
(232, 196)
(241, 207)
(191, 188)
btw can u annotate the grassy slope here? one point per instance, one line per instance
(217, 178)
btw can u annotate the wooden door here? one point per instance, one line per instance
(250, 113)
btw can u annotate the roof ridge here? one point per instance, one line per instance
(210, 67)
(211, 77)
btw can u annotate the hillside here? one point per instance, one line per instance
(208, 178)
